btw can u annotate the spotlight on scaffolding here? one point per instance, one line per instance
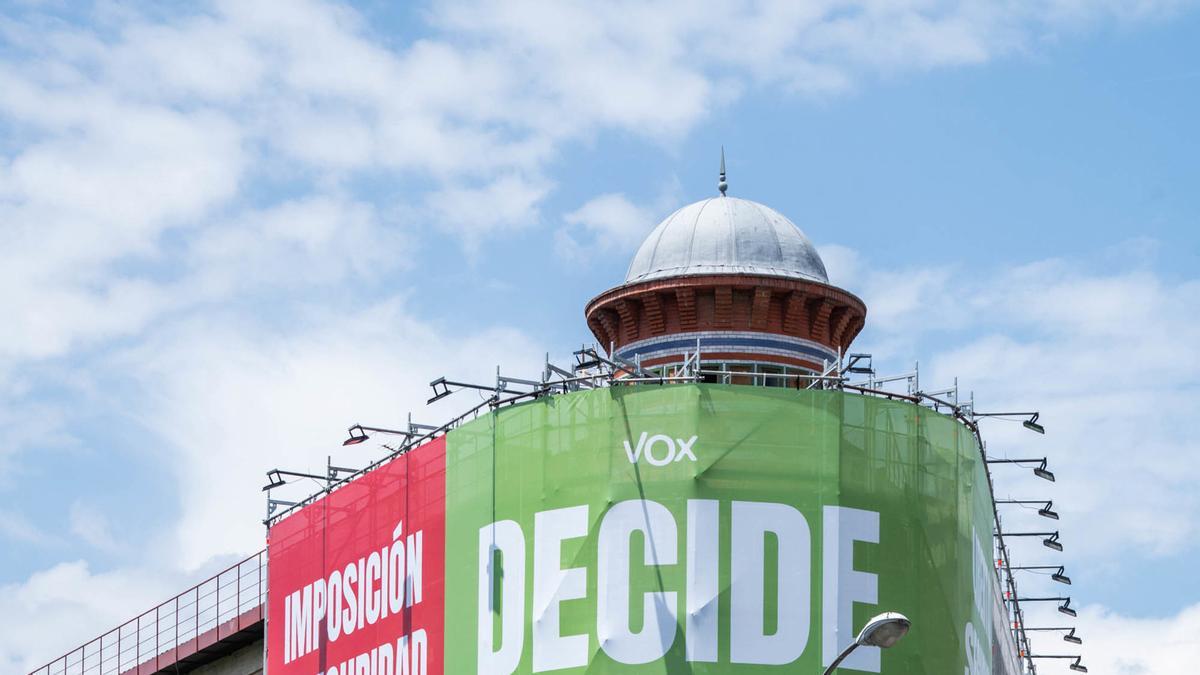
(1059, 574)
(358, 433)
(1046, 510)
(1064, 608)
(275, 476)
(1076, 666)
(1070, 635)
(1030, 422)
(1040, 470)
(1051, 538)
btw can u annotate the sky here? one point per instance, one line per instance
(229, 230)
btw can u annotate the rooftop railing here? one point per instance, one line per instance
(196, 619)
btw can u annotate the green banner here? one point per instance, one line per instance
(715, 529)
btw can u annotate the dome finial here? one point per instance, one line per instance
(721, 184)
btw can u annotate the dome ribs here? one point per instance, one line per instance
(726, 235)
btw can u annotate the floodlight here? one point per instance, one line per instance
(1068, 637)
(276, 480)
(1075, 666)
(1048, 512)
(1030, 423)
(1060, 577)
(440, 389)
(1051, 538)
(357, 435)
(1052, 542)
(1064, 608)
(1041, 472)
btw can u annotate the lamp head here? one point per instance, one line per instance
(1032, 424)
(1078, 667)
(357, 435)
(1061, 577)
(1041, 472)
(276, 480)
(884, 630)
(1048, 511)
(1052, 542)
(1072, 638)
(1065, 608)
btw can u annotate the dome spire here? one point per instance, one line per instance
(721, 184)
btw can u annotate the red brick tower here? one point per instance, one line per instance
(736, 278)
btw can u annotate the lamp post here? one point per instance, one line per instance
(883, 630)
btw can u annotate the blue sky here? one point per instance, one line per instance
(228, 231)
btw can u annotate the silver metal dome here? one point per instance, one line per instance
(726, 235)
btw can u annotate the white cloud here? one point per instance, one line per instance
(603, 225)
(150, 128)
(18, 530)
(1108, 359)
(169, 182)
(232, 398)
(507, 202)
(91, 526)
(59, 608)
(1124, 645)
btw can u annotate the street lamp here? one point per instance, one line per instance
(883, 630)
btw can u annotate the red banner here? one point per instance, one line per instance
(357, 578)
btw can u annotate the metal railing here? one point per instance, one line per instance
(199, 617)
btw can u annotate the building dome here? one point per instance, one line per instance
(726, 235)
(733, 287)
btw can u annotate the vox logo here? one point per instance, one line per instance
(660, 449)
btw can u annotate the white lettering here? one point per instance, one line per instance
(843, 585)
(553, 585)
(630, 453)
(412, 578)
(659, 608)
(751, 523)
(666, 440)
(685, 449)
(350, 613)
(703, 590)
(505, 538)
